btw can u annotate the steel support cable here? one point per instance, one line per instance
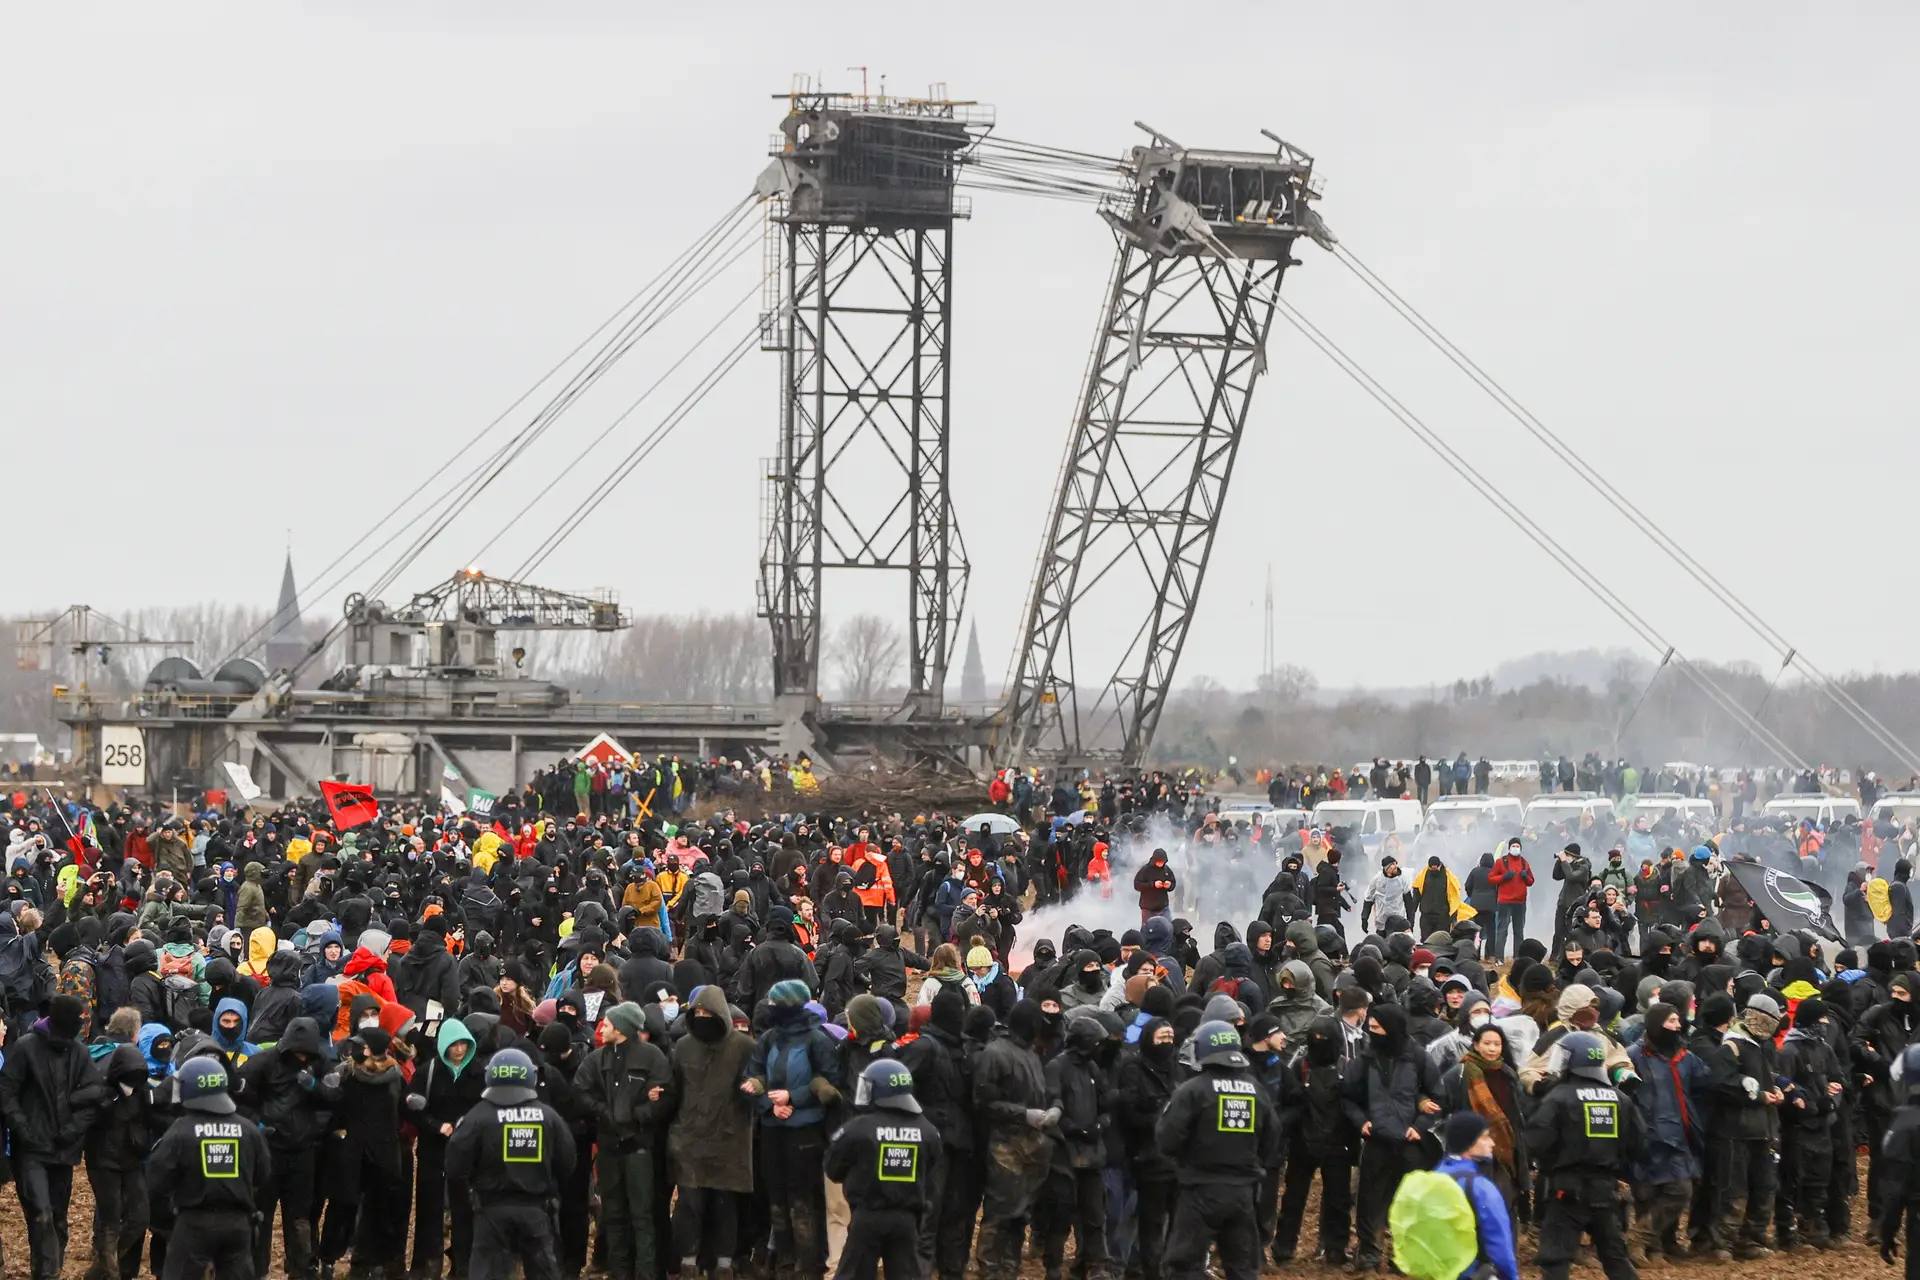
(612, 426)
(639, 453)
(1539, 536)
(1765, 698)
(412, 497)
(670, 296)
(1654, 533)
(636, 328)
(498, 457)
(1641, 701)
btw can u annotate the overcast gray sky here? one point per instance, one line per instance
(264, 265)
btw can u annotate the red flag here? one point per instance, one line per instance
(351, 803)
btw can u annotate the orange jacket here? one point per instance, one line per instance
(880, 894)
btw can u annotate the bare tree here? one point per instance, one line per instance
(867, 652)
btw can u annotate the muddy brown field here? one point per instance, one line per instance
(1862, 1260)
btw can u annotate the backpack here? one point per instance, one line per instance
(1436, 1235)
(183, 997)
(173, 966)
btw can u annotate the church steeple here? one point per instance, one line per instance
(973, 676)
(285, 644)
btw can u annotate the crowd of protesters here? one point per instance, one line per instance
(805, 1043)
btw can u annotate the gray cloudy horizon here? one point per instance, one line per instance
(267, 265)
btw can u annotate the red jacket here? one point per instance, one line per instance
(1511, 877)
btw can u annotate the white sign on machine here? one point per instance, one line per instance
(123, 756)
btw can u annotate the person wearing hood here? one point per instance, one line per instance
(76, 971)
(793, 1074)
(116, 1160)
(625, 1084)
(1483, 895)
(1304, 942)
(283, 1090)
(1740, 1054)
(1155, 883)
(368, 965)
(1088, 982)
(1011, 1103)
(365, 1181)
(328, 959)
(427, 977)
(49, 1096)
(710, 1138)
(229, 1030)
(448, 1079)
(885, 964)
(1880, 1036)
(1156, 939)
(773, 959)
(650, 959)
(1296, 1002)
(1439, 897)
(1148, 1074)
(250, 903)
(1673, 1100)
(1811, 1078)
(480, 965)
(262, 945)
(279, 1004)
(1078, 1085)
(1390, 1089)
(1574, 870)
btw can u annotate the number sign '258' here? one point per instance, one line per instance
(123, 756)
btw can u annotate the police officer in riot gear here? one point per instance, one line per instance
(216, 1170)
(1221, 1129)
(1582, 1134)
(514, 1151)
(1900, 1162)
(884, 1158)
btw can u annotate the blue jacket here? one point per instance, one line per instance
(792, 1058)
(1670, 1105)
(1490, 1208)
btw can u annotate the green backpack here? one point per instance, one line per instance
(1435, 1233)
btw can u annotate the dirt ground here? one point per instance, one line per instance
(1850, 1264)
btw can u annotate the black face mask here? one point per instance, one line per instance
(1159, 1054)
(1663, 1040)
(706, 1028)
(1323, 1051)
(1090, 980)
(1051, 1021)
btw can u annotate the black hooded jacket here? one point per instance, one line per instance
(283, 1088)
(427, 972)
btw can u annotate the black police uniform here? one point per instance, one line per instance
(1221, 1130)
(514, 1156)
(215, 1170)
(1900, 1183)
(1582, 1135)
(884, 1161)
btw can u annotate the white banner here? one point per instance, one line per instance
(453, 802)
(242, 782)
(123, 755)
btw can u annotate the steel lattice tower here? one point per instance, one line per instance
(862, 217)
(1204, 240)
